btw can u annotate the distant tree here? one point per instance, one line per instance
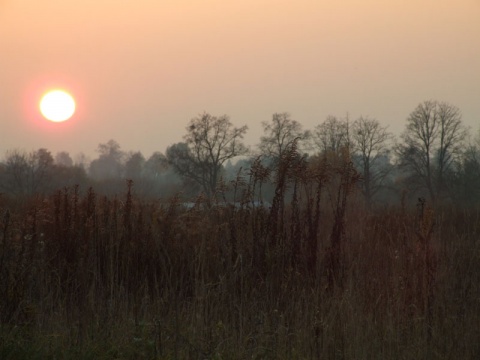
(15, 173)
(232, 169)
(27, 173)
(68, 176)
(210, 141)
(279, 135)
(182, 161)
(465, 180)
(159, 178)
(370, 145)
(156, 165)
(134, 166)
(42, 165)
(111, 149)
(63, 158)
(109, 164)
(432, 140)
(331, 135)
(82, 160)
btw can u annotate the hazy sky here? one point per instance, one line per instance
(140, 70)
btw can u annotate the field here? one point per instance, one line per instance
(316, 274)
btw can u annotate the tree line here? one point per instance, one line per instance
(435, 157)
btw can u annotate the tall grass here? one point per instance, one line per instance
(316, 275)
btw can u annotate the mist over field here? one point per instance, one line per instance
(436, 156)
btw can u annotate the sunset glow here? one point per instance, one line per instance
(139, 71)
(57, 105)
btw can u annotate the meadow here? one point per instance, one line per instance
(315, 274)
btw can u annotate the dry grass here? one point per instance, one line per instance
(317, 275)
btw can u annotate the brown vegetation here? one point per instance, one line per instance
(317, 275)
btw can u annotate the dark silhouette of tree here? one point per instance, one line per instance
(14, 174)
(370, 146)
(134, 166)
(331, 135)
(158, 177)
(63, 158)
(432, 140)
(82, 160)
(210, 141)
(69, 176)
(465, 179)
(156, 165)
(41, 165)
(451, 136)
(109, 164)
(111, 149)
(27, 173)
(279, 135)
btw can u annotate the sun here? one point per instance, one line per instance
(57, 105)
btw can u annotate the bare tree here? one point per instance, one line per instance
(109, 164)
(134, 166)
(432, 139)
(210, 141)
(451, 135)
(370, 144)
(15, 172)
(41, 165)
(27, 173)
(63, 158)
(111, 149)
(155, 165)
(464, 181)
(331, 135)
(82, 160)
(280, 133)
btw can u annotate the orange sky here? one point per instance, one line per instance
(140, 69)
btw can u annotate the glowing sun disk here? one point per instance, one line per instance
(57, 105)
